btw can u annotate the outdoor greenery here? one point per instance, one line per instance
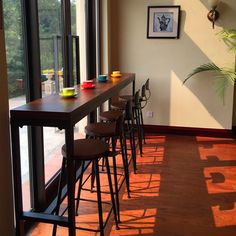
(49, 26)
(14, 45)
(223, 75)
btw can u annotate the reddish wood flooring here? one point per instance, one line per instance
(185, 186)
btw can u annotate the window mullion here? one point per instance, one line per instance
(33, 91)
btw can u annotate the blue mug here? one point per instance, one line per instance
(102, 78)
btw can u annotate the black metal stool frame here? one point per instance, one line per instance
(119, 135)
(99, 200)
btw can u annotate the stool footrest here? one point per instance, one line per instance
(91, 200)
(45, 218)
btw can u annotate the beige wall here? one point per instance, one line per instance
(6, 203)
(167, 62)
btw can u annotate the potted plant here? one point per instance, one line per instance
(223, 75)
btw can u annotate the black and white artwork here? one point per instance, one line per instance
(163, 22)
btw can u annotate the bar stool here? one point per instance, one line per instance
(113, 131)
(128, 126)
(142, 103)
(144, 100)
(88, 150)
(139, 104)
(138, 118)
(137, 112)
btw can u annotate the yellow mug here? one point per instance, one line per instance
(69, 91)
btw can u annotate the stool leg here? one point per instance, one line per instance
(133, 138)
(79, 188)
(142, 124)
(93, 171)
(103, 164)
(99, 198)
(115, 178)
(59, 194)
(107, 140)
(123, 137)
(132, 145)
(125, 164)
(92, 177)
(139, 132)
(111, 191)
(140, 127)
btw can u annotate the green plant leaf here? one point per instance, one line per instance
(228, 33)
(229, 37)
(223, 76)
(220, 86)
(203, 68)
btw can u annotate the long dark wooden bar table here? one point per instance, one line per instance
(54, 111)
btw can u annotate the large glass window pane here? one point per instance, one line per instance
(50, 31)
(49, 13)
(75, 42)
(17, 80)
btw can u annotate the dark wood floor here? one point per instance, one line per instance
(185, 186)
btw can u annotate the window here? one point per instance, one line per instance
(37, 57)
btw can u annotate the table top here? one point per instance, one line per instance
(54, 110)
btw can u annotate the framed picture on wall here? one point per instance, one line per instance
(163, 22)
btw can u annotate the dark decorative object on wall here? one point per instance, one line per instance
(213, 14)
(163, 22)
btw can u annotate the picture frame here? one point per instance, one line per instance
(163, 22)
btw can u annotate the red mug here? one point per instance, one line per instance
(88, 84)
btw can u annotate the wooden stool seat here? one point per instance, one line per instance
(127, 97)
(118, 105)
(110, 115)
(101, 129)
(88, 149)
